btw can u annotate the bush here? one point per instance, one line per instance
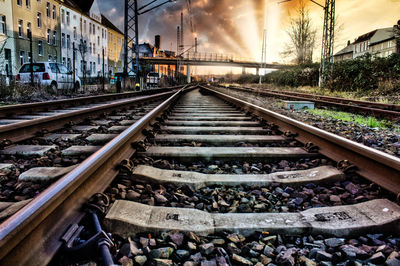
(248, 78)
(364, 73)
(302, 75)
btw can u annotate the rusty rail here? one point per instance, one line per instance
(32, 235)
(382, 110)
(24, 130)
(376, 166)
(18, 109)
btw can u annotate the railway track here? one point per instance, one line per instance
(381, 110)
(207, 178)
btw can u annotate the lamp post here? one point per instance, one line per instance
(131, 25)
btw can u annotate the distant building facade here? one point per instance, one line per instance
(57, 27)
(380, 42)
(41, 19)
(82, 29)
(115, 47)
(8, 58)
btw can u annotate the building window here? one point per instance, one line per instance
(19, 2)
(63, 16)
(90, 47)
(55, 38)
(22, 57)
(64, 61)
(98, 40)
(84, 27)
(50, 58)
(94, 29)
(40, 48)
(69, 63)
(21, 28)
(29, 29)
(102, 33)
(48, 9)
(68, 41)
(39, 20)
(54, 12)
(48, 36)
(90, 28)
(63, 40)
(3, 25)
(28, 3)
(68, 18)
(98, 59)
(94, 48)
(75, 35)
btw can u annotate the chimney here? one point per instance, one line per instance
(182, 33)
(178, 40)
(348, 42)
(157, 42)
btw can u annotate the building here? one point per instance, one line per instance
(383, 43)
(7, 44)
(345, 54)
(148, 50)
(115, 47)
(380, 42)
(41, 19)
(82, 30)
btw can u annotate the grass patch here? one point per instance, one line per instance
(354, 118)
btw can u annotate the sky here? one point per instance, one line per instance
(235, 27)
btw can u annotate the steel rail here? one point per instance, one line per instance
(18, 109)
(32, 235)
(376, 166)
(24, 130)
(376, 111)
(385, 106)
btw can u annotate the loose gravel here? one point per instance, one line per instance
(262, 248)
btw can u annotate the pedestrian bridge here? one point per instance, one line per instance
(210, 59)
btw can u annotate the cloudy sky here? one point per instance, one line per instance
(236, 26)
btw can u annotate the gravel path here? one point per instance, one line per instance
(385, 140)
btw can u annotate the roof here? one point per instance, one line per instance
(347, 50)
(84, 5)
(106, 22)
(382, 35)
(72, 4)
(365, 37)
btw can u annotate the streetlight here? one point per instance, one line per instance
(328, 35)
(131, 24)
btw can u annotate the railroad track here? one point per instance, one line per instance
(228, 181)
(382, 110)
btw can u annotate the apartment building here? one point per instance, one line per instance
(41, 19)
(7, 57)
(379, 42)
(82, 30)
(115, 47)
(57, 27)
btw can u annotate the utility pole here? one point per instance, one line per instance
(31, 56)
(103, 85)
(263, 54)
(131, 34)
(328, 38)
(73, 60)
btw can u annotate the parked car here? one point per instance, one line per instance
(55, 75)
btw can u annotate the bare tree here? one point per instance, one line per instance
(302, 36)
